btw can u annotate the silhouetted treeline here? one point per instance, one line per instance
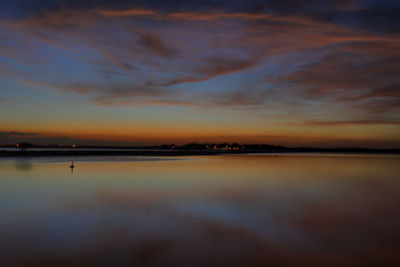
(186, 149)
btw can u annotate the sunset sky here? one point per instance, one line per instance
(295, 73)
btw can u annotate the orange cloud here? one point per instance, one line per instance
(128, 12)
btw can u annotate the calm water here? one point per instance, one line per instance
(247, 210)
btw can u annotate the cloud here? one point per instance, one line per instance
(14, 134)
(391, 91)
(358, 75)
(155, 45)
(106, 101)
(241, 98)
(344, 123)
(12, 137)
(118, 62)
(214, 67)
(278, 54)
(373, 15)
(128, 12)
(107, 92)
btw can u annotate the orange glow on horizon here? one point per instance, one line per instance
(169, 136)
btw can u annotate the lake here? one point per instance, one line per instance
(227, 210)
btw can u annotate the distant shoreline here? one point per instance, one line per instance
(99, 152)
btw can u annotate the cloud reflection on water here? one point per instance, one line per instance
(234, 211)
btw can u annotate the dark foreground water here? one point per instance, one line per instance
(244, 210)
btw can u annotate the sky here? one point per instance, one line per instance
(282, 72)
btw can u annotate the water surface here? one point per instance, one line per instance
(241, 210)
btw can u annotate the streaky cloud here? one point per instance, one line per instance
(350, 123)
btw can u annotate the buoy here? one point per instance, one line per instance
(72, 167)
